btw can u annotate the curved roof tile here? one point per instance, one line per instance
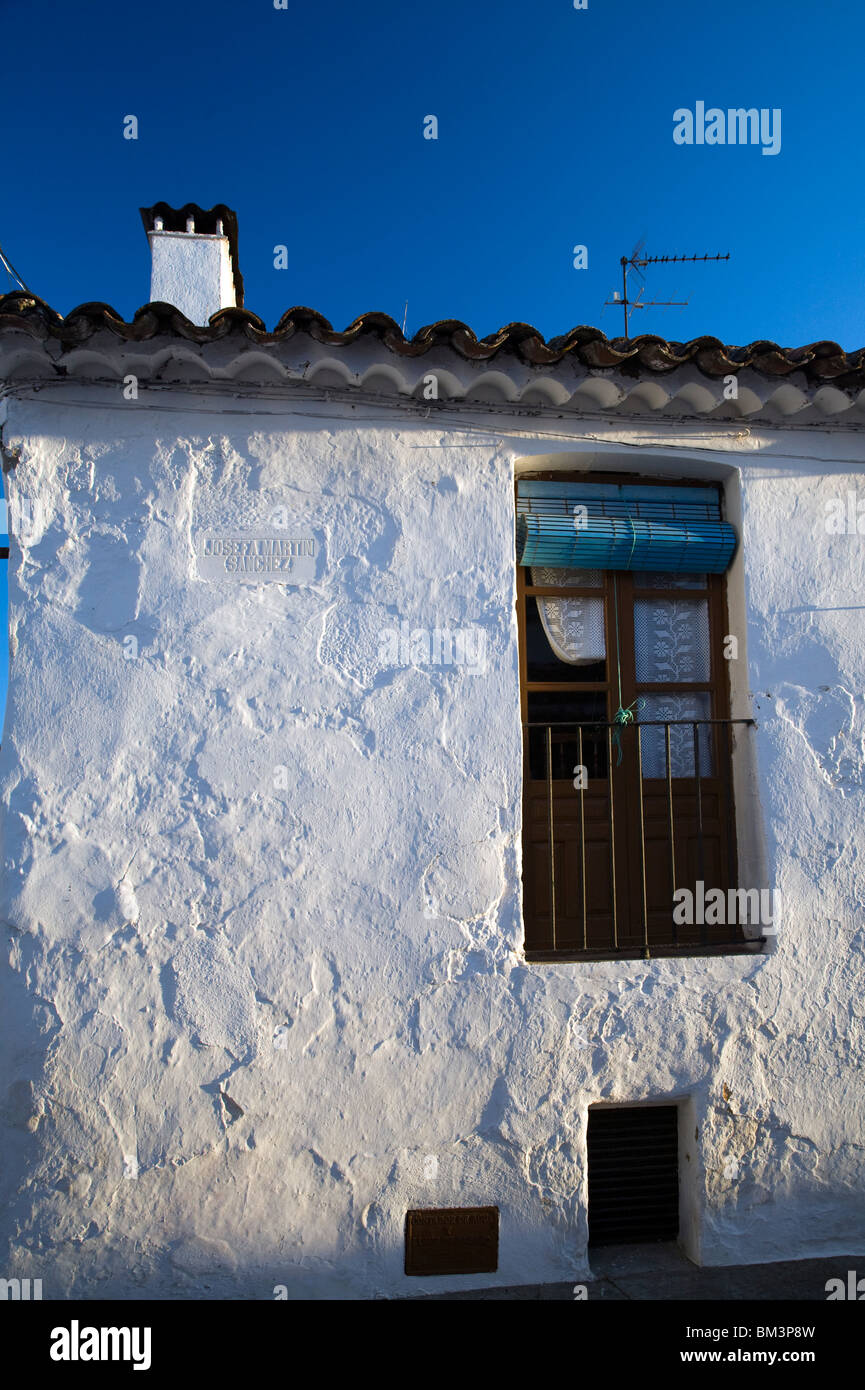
(647, 355)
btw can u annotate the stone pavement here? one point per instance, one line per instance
(663, 1272)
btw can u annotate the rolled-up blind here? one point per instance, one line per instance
(612, 526)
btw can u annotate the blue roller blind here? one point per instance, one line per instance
(612, 526)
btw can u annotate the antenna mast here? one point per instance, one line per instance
(635, 262)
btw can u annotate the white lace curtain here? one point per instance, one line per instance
(671, 644)
(574, 627)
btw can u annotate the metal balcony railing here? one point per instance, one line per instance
(689, 752)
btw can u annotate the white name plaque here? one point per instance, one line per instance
(256, 558)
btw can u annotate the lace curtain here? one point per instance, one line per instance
(671, 639)
(671, 644)
(655, 579)
(693, 705)
(574, 627)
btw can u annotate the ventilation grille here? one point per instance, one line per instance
(633, 1174)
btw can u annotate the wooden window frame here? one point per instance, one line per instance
(621, 583)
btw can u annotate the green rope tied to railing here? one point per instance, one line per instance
(622, 716)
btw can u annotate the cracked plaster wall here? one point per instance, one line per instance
(265, 988)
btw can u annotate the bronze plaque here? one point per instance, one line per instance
(452, 1240)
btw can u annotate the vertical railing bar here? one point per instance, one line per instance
(552, 841)
(612, 836)
(642, 843)
(582, 828)
(672, 835)
(701, 867)
(728, 781)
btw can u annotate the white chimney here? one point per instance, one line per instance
(194, 259)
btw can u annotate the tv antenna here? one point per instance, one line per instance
(636, 261)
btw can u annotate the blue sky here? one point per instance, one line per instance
(555, 129)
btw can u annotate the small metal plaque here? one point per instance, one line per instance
(452, 1240)
(280, 558)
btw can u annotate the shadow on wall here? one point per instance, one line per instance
(28, 1027)
(4, 609)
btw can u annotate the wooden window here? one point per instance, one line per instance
(652, 809)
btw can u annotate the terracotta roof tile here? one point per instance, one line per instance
(821, 362)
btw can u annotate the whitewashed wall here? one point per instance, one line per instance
(247, 1007)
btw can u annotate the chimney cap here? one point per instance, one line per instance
(206, 224)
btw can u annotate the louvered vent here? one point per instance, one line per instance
(633, 1174)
